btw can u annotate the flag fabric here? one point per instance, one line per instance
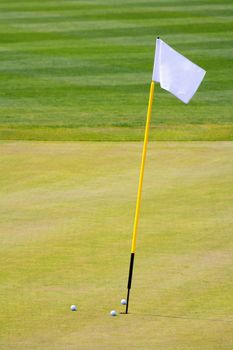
(176, 73)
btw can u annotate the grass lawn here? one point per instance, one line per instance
(65, 227)
(80, 71)
(70, 69)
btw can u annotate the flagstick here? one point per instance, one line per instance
(133, 248)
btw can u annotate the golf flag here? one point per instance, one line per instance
(181, 77)
(176, 73)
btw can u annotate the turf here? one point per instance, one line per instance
(67, 66)
(65, 228)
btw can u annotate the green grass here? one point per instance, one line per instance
(187, 132)
(65, 227)
(67, 66)
(77, 71)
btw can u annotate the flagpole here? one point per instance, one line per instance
(136, 219)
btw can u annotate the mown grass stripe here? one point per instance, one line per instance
(88, 64)
(184, 132)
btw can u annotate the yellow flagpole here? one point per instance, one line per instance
(139, 195)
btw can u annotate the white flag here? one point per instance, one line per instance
(176, 73)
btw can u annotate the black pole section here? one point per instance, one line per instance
(129, 280)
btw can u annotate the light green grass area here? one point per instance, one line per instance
(186, 132)
(70, 65)
(65, 228)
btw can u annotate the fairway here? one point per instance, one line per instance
(66, 221)
(80, 70)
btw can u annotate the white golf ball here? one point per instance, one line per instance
(113, 313)
(123, 302)
(73, 308)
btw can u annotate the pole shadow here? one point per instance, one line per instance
(185, 317)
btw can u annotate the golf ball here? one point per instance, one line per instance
(123, 302)
(73, 308)
(113, 313)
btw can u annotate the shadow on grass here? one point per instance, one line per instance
(184, 317)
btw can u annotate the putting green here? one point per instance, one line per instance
(65, 228)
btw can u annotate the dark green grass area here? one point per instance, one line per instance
(77, 66)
